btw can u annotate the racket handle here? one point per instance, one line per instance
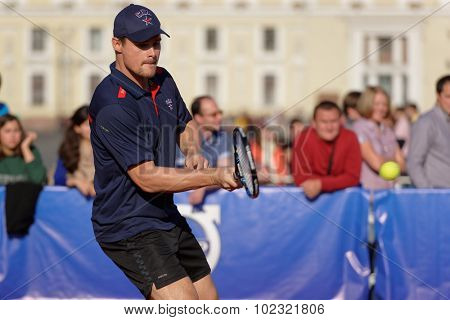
(235, 176)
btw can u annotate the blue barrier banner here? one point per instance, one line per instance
(282, 246)
(413, 232)
(60, 257)
(279, 246)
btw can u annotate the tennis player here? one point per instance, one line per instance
(137, 117)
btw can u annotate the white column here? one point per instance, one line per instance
(373, 79)
(356, 54)
(396, 46)
(415, 67)
(397, 92)
(373, 45)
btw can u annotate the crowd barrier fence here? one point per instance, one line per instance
(279, 246)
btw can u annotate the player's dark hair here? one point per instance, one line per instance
(441, 82)
(196, 106)
(3, 121)
(69, 151)
(326, 105)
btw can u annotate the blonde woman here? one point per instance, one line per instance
(377, 140)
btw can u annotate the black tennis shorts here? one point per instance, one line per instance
(158, 257)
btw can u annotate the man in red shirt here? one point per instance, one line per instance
(326, 156)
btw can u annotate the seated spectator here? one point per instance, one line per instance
(349, 105)
(429, 153)
(20, 161)
(377, 140)
(326, 156)
(3, 107)
(75, 166)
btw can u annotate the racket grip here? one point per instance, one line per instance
(235, 176)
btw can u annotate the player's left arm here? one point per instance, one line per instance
(189, 142)
(188, 137)
(197, 196)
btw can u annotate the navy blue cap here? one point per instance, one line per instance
(137, 23)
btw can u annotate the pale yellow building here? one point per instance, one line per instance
(260, 56)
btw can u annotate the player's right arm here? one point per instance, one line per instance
(151, 178)
(132, 146)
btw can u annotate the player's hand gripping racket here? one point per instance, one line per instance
(245, 169)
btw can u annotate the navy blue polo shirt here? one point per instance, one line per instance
(130, 126)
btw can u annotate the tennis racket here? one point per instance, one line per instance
(245, 169)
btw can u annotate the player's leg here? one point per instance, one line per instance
(206, 288)
(150, 261)
(193, 260)
(182, 289)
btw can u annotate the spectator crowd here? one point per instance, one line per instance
(342, 146)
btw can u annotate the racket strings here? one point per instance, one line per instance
(244, 165)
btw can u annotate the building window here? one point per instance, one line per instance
(405, 81)
(385, 81)
(387, 65)
(95, 39)
(211, 39)
(37, 90)
(385, 50)
(94, 81)
(212, 84)
(365, 80)
(269, 39)
(38, 40)
(404, 42)
(269, 87)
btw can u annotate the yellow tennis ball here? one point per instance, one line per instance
(389, 170)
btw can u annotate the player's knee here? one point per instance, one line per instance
(209, 294)
(214, 295)
(180, 290)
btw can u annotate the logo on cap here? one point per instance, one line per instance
(130, 21)
(144, 13)
(147, 21)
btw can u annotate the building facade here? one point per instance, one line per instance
(260, 56)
